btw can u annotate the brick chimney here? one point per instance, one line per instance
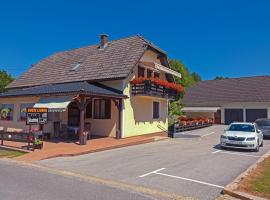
(103, 40)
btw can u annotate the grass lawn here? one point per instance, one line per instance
(5, 153)
(258, 183)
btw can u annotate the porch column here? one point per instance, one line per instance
(81, 103)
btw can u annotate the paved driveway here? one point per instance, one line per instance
(189, 166)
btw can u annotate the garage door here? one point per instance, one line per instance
(253, 114)
(233, 115)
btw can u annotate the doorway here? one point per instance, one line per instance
(73, 114)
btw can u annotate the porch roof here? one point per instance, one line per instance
(75, 88)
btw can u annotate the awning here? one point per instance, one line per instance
(160, 68)
(200, 109)
(54, 104)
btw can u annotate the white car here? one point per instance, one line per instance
(242, 136)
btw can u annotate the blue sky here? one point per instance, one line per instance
(214, 38)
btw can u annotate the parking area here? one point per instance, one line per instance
(191, 166)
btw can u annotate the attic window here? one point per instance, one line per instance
(75, 66)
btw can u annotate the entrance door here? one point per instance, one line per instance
(253, 114)
(73, 114)
(233, 115)
(218, 117)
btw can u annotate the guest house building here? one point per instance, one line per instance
(119, 88)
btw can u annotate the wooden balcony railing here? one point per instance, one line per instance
(148, 88)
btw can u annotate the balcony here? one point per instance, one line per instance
(154, 88)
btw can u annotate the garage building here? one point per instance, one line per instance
(229, 100)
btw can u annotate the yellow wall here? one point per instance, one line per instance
(138, 114)
(105, 127)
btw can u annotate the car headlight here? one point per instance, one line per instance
(223, 137)
(250, 138)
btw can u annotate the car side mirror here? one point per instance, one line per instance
(259, 131)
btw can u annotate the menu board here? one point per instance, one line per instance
(36, 116)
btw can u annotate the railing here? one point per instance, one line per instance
(148, 88)
(33, 141)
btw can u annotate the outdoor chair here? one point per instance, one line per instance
(87, 128)
(63, 130)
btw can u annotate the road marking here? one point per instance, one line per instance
(153, 172)
(216, 151)
(179, 177)
(208, 134)
(239, 154)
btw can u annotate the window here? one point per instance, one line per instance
(156, 75)
(149, 73)
(7, 112)
(75, 66)
(155, 110)
(23, 107)
(102, 108)
(89, 110)
(140, 72)
(242, 127)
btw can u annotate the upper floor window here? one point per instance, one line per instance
(7, 112)
(23, 107)
(140, 72)
(102, 109)
(149, 73)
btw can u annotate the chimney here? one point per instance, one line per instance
(103, 40)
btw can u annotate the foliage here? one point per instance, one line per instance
(5, 79)
(220, 78)
(9, 153)
(187, 80)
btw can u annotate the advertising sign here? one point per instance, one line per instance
(36, 116)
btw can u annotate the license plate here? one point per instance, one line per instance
(235, 142)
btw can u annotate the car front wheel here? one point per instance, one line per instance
(257, 147)
(262, 144)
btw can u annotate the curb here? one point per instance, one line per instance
(15, 149)
(231, 188)
(103, 149)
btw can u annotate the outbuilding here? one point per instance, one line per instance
(229, 100)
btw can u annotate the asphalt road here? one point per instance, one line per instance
(189, 166)
(24, 183)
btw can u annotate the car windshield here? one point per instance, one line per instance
(263, 122)
(242, 127)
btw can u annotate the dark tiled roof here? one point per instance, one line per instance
(115, 61)
(64, 88)
(218, 92)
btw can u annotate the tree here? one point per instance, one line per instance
(220, 78)
(196, 77)
(187, 80)
(5, 79)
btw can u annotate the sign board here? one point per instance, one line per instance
(36, 116)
